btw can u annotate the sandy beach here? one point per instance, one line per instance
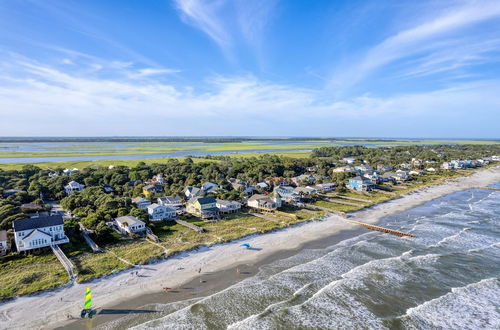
(51, 308)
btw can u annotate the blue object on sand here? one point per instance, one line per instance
(245, 245)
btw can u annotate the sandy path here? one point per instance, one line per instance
(45, 309)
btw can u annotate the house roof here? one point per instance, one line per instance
(262, 198)
(130, 220)
(154, 206)
(225, 202)
(40, 222)
(74, 184)
(202, 200)
(3, 235)
(170, 199)
(138, 200)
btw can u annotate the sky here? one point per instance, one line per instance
(328, 68)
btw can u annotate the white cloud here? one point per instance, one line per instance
(425, 37)
(48, 101)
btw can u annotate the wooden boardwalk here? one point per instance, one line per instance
(190, 226)
(488, 188)
(344, 203)
(381, 229)
(67, 264)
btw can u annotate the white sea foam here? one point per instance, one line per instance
(474, 306)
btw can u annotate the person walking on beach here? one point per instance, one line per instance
(199, 270)
(238, 271)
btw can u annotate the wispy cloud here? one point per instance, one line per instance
(423, 39)
(49, 100)
(228, 22)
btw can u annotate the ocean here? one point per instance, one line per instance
(447, 277)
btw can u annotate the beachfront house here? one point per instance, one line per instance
(264, 202)
(159, 212)
(227, 206)
(38, 232)
(402, 175)
(287, 194)
(72, 187)
(174, 202)
(306, 191)
(325, 187)
(141, 202)
(130, 225)
(4, 248)
(359, 183)
(203, 207)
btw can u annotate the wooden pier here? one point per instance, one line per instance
(67, 264)
(190, 225)
(488, 188)
(381, 229)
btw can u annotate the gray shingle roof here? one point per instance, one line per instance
(40, 222)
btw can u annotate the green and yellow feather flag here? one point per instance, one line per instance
(88, 299)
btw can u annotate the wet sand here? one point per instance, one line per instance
(212, 282)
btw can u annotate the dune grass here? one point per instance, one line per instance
(28, 274)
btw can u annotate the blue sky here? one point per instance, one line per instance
(260, 68)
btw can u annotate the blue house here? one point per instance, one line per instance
(360, 184)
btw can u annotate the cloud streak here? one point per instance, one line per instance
(229, 22)
(50, 102)
(424, 38)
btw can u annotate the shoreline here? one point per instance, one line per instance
(50, 308)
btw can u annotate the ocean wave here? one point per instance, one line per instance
(474, 306)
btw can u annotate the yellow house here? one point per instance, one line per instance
(148, 190)
(202, 207)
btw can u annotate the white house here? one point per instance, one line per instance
(68, 171)
(130, 225)
(72, 187)
(265, 202)
(191, 192)
(33, 233)
(141, 202)
(262, 185)
(326, 187)
(171, 201)
(226, 206)
(4, 248)
(159, 212)
(287, 194)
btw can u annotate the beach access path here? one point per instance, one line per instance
(55, 307)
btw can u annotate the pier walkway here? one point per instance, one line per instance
(488, 188)
(381, 229)
(190, 226)
(70, 268)
(88, 240)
